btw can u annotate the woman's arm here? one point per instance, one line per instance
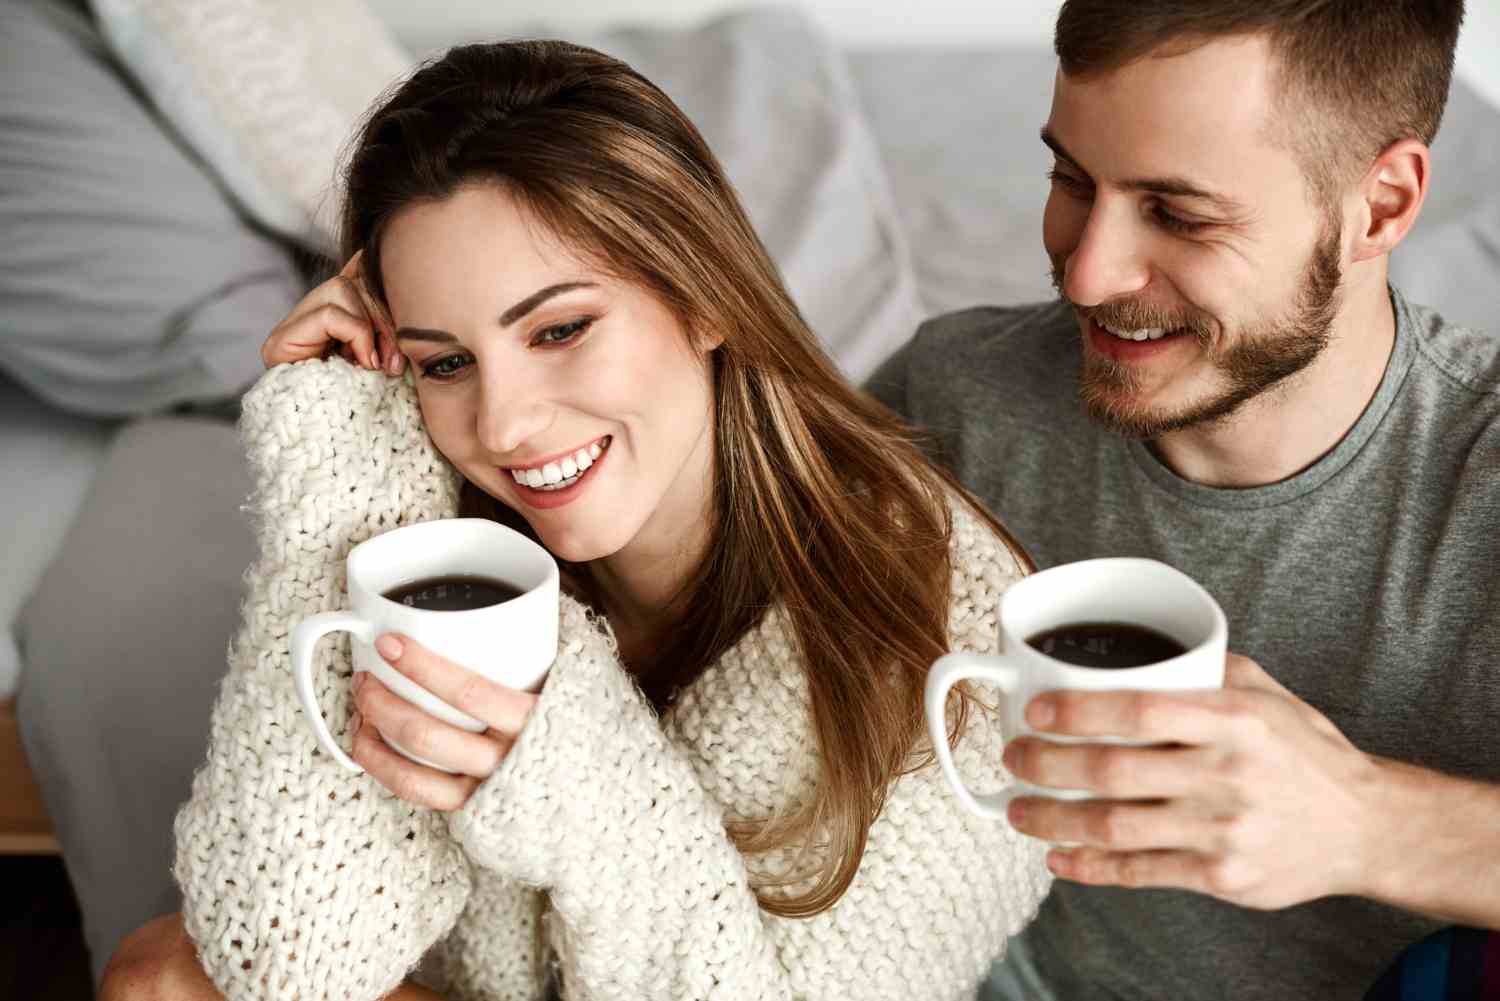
(299, 879)
(597, 805)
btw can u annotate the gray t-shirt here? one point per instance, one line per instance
(1367, 584)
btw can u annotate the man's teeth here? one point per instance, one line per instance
(561, 473)
(1144, 334)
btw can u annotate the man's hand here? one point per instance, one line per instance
(1248, 793)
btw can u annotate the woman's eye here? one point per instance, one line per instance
(561, 334)
(446, 367)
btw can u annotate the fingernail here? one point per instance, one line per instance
(394, 365)
(354, 721)
(1016, 812)
(388, 647)
(1011, 756)
(1041, 712)
(359, 679)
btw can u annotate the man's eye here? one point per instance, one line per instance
(1175, 223)
(1068, 182)
(561, 334)
(446, 367)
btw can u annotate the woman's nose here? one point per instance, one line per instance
(509, 418)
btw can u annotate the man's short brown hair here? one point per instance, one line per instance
(1353, 76)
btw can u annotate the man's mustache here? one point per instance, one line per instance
(1129, 315)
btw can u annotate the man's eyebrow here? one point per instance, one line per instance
(1174, 186)
(510, 316)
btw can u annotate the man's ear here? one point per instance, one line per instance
(1391, 195)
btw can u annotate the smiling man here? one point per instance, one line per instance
(1228, 384)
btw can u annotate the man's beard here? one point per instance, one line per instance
(1260, 359)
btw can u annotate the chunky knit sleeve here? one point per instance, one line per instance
(594, 804)
(301, 880)
(622, 822)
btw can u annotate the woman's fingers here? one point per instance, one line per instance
(429, 738)
(405, 778)
(390, 355)
(341, 314)
(310, 333)
(502, 709)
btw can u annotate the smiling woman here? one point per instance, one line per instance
(722, 787)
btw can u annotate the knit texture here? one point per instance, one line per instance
(598, 847)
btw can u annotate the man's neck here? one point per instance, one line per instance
(1289, 428)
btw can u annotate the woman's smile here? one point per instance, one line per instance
(558, 479)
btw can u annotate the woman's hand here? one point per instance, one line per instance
(473, 757)
(338, 313)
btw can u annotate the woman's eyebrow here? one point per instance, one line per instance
(535, 299)
(510, 316)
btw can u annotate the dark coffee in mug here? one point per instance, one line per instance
(453, 593)
(1106, 645)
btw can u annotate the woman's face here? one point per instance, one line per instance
(568, 395)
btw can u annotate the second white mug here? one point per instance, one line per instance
(1126, 591)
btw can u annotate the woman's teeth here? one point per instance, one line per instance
(562, 473)
(1144, 334)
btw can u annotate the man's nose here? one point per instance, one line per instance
(1109, 260)
(510, 416)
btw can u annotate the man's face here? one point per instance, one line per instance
(1174, 221)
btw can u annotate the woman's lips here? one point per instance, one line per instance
(542, 498)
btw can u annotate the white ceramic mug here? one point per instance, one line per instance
(1121, 590)
(513, 642)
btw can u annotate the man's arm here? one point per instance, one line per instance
(1251, 795)
(1439, 851)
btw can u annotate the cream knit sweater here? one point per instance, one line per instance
(599, 844)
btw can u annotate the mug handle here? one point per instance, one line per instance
(304, 638)
(946, 672)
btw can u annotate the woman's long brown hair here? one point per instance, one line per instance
(824, 504)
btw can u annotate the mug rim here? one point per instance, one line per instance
(548, 581)
(1216, 635)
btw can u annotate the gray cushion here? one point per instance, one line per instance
(125, 643)
(49, 459)
(128, 282)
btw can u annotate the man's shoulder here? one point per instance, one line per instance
(1466, 357)
(1452, 397)
(982, 332)
(997, 352)
(994, 353)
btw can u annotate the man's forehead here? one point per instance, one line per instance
(1199, 115)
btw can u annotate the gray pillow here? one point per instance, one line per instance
(127, 281)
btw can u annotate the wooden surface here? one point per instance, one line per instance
(24, 827)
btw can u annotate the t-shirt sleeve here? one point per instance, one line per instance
(888, 383)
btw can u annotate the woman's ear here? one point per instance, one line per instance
(706, 342)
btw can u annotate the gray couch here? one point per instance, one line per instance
(134, 296)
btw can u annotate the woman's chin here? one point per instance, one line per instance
(569, 547)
